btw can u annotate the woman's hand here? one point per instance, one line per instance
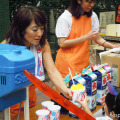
(84, 103)
(92, 35)
(85, 106)
(67, 93)
(103, 100)
(116, 46)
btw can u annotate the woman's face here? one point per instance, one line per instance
(33, 34)
(87, 5)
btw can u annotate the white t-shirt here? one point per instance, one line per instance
(39, 69)
(64, 24)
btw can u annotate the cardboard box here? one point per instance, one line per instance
(113, 59)
(92, 58)
(94, 54)
(92, 42)
(91, 51)
(102, 30)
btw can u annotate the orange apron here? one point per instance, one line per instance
(118, 18)
(77, 57)
(32, 102)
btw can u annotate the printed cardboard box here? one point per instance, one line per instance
(92, 55)
(92, 58)
(91, 50)
(113, 59)
(92, 42)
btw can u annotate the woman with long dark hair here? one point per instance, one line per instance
(28, 28)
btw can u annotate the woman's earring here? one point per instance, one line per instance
(79, 1)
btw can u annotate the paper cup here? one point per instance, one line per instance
(45, 104)
(42, 114)
(78, 95)
(54, 112)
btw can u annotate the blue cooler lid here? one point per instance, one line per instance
(15, 58)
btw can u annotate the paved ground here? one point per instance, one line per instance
(41, 96)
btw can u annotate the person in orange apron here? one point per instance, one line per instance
(118, 16)
(74, 29)
(28, 29)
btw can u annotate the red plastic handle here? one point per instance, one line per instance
(57, 97)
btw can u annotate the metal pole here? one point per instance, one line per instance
(7, 114)
(1, 115)
(26, 105)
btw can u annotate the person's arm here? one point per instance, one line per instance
(104, 43)
(99, 40)
(86, 109)
(63, 28)
(103, 100)
(4, 42)
(84, 104)
(64, 42)
(53, 73)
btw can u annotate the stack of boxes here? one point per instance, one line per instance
(95, 80)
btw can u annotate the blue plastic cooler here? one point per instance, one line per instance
(14, 60)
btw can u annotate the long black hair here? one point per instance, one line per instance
(113, 104)
(21, 20)
(76, 9)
